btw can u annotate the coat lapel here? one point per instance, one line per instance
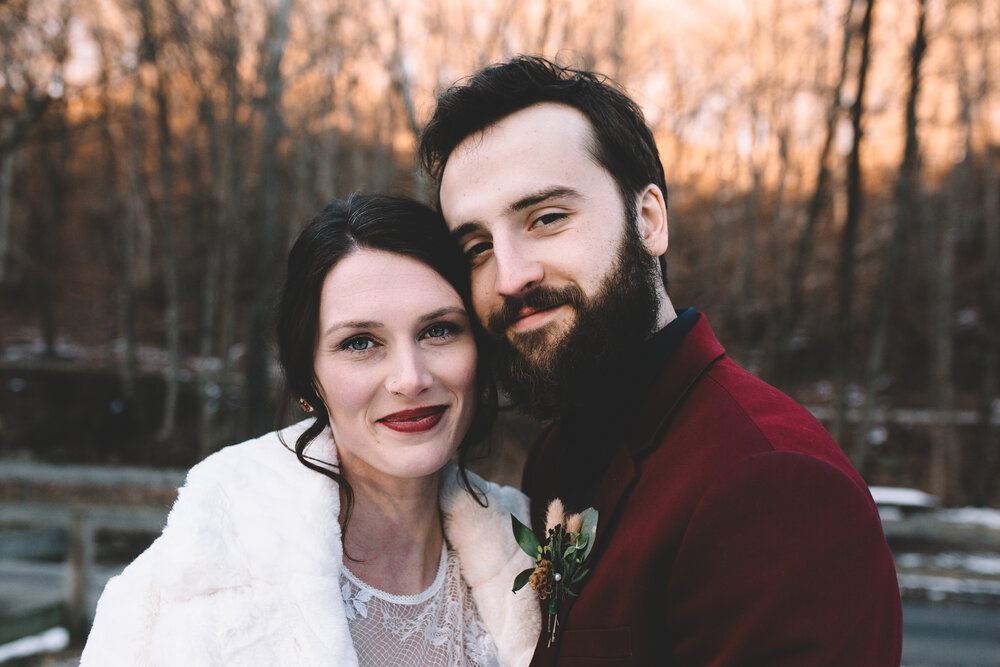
(697, 352)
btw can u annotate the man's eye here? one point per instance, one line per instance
(476, 249)
(548, 219)
(358, 344)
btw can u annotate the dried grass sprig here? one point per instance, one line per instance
(558, 568)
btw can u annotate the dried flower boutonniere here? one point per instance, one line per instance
(559, 561)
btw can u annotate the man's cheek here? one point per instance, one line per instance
(481, 305)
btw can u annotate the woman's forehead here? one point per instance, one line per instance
(376, 282)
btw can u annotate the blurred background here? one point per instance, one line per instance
(834, 195)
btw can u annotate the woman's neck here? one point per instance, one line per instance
(394, 537)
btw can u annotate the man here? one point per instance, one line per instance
(732, 529)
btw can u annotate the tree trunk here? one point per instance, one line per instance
(149, 61)
(848, 240)
(985, 484)
(6, 195)
(401, 81)
(208, 385)
(54, 213)
(817, 204)
(116, 211)
(905, 212)
(259, 352)
(231, 207)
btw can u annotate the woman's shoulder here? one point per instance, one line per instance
(271, 449)
(246, 502)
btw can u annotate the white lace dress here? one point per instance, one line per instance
(438, 627)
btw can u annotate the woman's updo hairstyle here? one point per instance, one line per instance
(375, 222)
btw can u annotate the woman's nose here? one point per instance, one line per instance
(410, 375)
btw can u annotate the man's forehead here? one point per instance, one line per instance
(551, 121)
(521, 154)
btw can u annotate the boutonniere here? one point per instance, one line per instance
(558, 567)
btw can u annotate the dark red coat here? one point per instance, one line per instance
(732, 531)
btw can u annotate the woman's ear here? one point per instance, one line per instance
(652, 220)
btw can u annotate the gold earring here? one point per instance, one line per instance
(305, 405)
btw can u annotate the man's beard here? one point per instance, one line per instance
(547, 375)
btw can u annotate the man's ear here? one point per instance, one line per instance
(651, 211)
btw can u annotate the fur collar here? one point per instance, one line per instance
(253, 543)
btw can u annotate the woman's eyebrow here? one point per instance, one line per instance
(352, 324)
(373, 324)
(441, 312)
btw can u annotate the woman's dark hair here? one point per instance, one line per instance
(623, 142)
(375, 222)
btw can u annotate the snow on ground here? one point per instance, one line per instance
(978, 563)
(982, 516)
(888, 495)
(53, 639)
(940, 588)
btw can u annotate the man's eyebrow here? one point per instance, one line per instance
(556, 192)
(464, 229)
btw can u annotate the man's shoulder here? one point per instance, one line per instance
(731, 415)
(733, 393)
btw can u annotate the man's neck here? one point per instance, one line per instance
(667, 314)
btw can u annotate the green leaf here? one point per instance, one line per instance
(570, 552)
(521, 579)
(525, 538)
(579, 577)
(580, 545)
(589, 528)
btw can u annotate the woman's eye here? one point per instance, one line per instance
(358, 344)
(439, 331)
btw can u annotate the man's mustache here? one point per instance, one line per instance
(540, 298)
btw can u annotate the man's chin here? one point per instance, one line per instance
(538, 343)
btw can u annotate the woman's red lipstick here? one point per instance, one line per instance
(415, 420)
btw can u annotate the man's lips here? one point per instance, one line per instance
(528, 318)
(414, 420)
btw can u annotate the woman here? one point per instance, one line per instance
(365, 545)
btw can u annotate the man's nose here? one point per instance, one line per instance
(517, 269)
(409, 375)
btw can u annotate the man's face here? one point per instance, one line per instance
(543, 226)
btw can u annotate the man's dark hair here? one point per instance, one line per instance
(623, 144)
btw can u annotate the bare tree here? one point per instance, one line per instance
(230, 46)
(818, 202)
(848, 238)
(258, 353)
(984, 451)
(905, 215)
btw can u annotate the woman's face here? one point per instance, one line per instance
(395, 362)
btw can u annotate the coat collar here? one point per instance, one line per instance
(697, 352)
(252, 516)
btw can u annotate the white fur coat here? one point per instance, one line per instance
(247, 570)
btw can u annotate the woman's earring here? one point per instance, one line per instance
(305, 405)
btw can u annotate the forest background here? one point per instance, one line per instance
(834, 191)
